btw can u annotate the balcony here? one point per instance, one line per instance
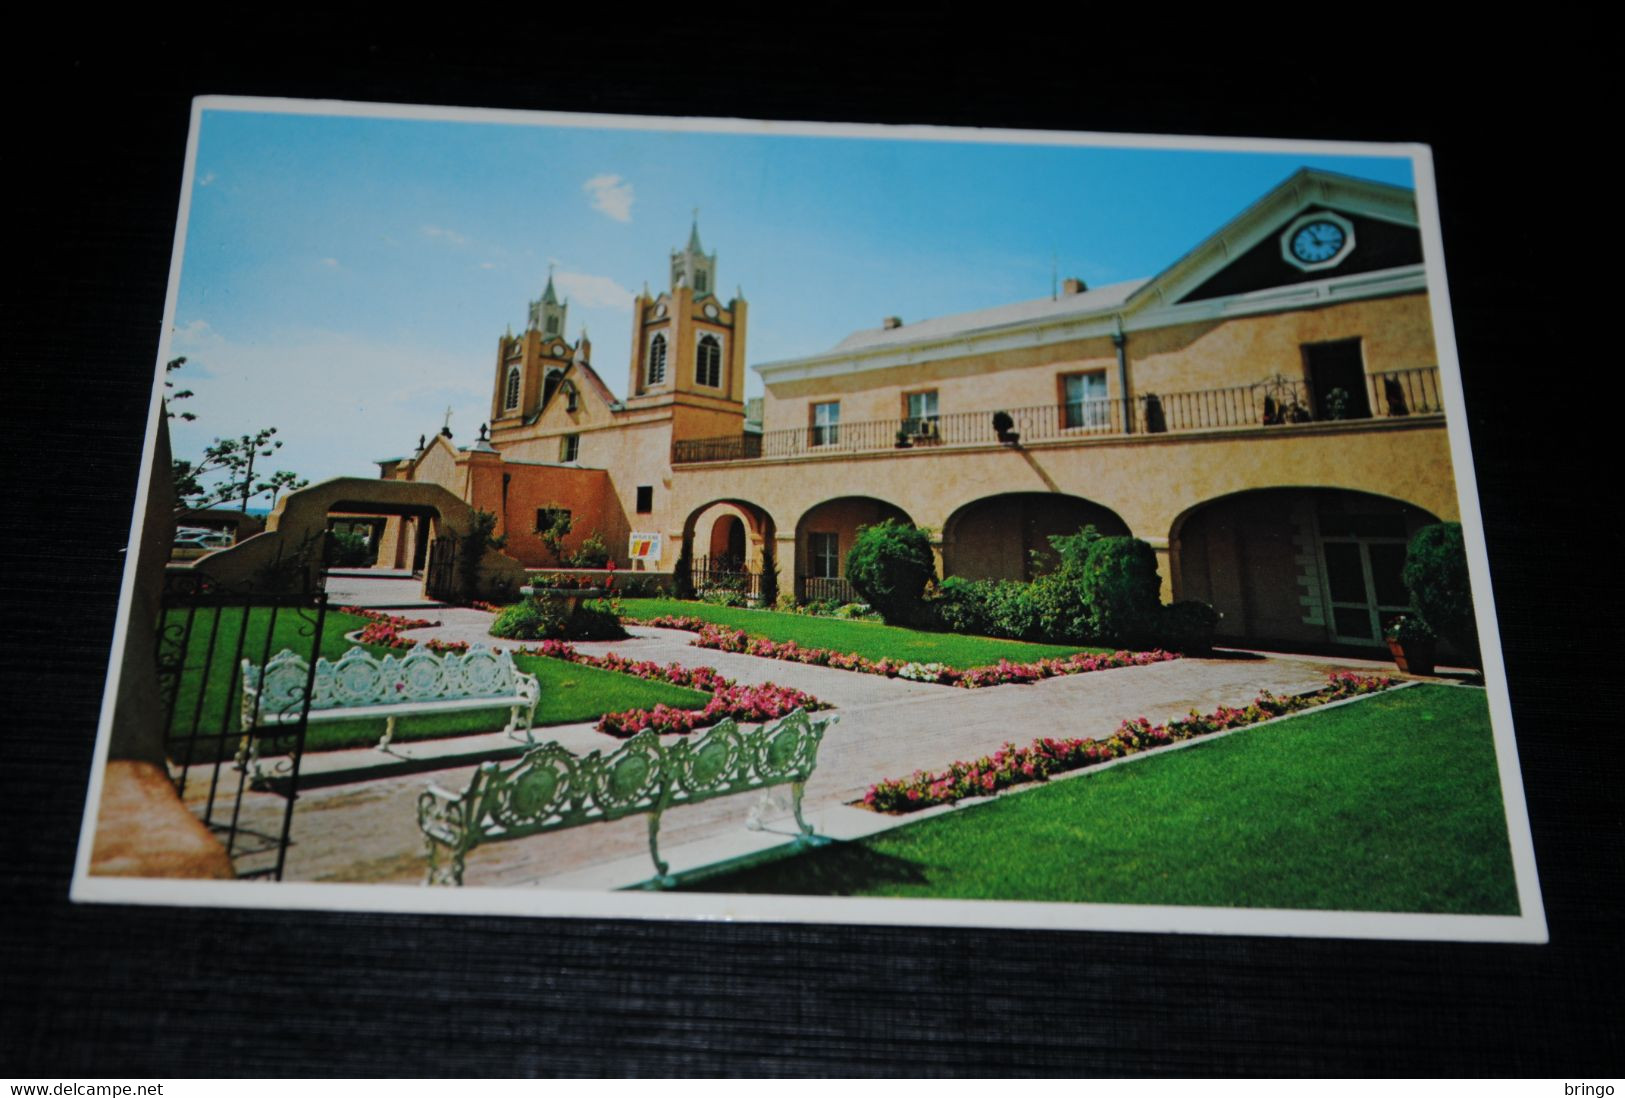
(1274, 402)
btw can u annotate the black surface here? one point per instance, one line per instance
(94, 159)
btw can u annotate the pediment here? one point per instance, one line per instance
(1375, 222)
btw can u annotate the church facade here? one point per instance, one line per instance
(1266, 412)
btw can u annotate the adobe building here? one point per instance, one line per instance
(1265, 412)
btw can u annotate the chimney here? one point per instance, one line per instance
(1070, 286)
(891, 322)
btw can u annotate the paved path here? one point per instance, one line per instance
(366, 831)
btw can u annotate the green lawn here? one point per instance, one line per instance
(870, 639)
(1390, 804)
(569, 692)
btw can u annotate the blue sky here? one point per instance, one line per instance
(345, 279)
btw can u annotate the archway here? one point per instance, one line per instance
(1297, 567)
(824, 536)
(729, 543)
(997, 537)
(289, 554)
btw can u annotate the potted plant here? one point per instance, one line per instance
(1412, 641)
(903, 441)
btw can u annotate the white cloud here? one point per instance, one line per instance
(592, 291)
(330, 262)
(450, 236)
(611, 195)
(208, 177)
(488, 266)
(338, 401)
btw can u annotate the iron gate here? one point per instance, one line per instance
(726, 574)
(440, 583)
(205, 634)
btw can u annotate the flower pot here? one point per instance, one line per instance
(1413, 657)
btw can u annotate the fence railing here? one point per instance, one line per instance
(827, 589)
(1271, 402)
(710, 574)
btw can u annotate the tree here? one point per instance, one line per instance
(889, 564)
(226, 471)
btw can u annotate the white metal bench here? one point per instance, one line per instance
(361, 686)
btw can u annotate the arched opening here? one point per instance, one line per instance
(730, 547)
(824, 537)
(1297, 567)
(728, 540)
(1007, 536)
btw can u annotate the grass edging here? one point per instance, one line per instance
(1078, 772)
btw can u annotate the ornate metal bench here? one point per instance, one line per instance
(551, 788)
(359, 685)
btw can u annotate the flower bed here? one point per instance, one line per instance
(724, 639)
(728, 699)
(743, 703)
(385, 629)
(1012, 765)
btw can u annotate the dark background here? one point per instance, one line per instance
(97, 128)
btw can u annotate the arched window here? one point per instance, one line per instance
(657, 360)
(512, 399)
(708, 362)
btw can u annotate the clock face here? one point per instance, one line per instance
(1318, 241)
(711, 311)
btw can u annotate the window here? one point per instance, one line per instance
(825, 550)
(708, 362)
(646, 498)
(1086, 404)
(553, 325)
(657, 360)
(512, 399)
(921, 417)
(826, 424)
(569, 447)
(549, 517)
(700, 281)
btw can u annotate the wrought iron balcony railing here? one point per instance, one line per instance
(1272, 402)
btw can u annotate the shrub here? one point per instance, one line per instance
(593, 622)
(1436, 576)
(854, 611)
(593, 553)
(1409, 629)
(533, 619)
(1187, 626)
(1120, 590)
(542, 618)
(889, 565)
(682, 581)
(346, 549)
(785, 603)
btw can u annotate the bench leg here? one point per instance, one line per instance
(662, 877)
(807, 836)
(389, 734)
(444, 868)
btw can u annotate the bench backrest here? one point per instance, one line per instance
(552, 788)
(358, 678)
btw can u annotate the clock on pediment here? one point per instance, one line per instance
(1317, 241)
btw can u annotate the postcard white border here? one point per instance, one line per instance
(1528, 927)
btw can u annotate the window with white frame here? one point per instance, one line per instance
(1086, 404)
(825, 552)
(569, 447)
(511, 400)
(920, 413)
(657, 360)
(708, 362)
(826, 423)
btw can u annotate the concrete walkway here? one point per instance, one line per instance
(366, 831)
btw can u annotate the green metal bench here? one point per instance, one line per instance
(551, 788)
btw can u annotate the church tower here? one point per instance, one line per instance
(530, 365)
(688, 346)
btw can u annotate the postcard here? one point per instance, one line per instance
(597, 516)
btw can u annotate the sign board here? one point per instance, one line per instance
(644, 547)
